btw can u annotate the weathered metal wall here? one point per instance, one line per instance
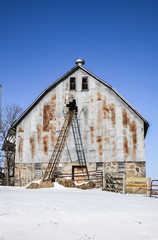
(110, 130)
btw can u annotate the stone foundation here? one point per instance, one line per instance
(28, 172)
(132, 169)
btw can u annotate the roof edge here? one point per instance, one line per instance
(48, 89)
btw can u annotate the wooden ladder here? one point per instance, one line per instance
(59, 147)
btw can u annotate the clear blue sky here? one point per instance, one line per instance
(118, 39)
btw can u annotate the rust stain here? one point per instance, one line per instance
(105, 110)
(53, 107)
(124, 132)
(20, 129)
(105, 132)
(98, 95)
(125, 119)
(46, 117)
(92, 132)
(112, 110)
(39, 132)
(64, 99)
(100, 146)
(45, 144)
(32, 143)
(92, 105)
(54, 97)
(66, 86)
(49, 113)
(114, 149)
(125, 147)
(133, 130)
(106, 139)
(53, 131)
(92, 100)
(99, 118)
(20, 147)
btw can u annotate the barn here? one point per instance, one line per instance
(111, 131)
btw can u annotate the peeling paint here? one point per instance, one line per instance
(32, 143)
(45, 144)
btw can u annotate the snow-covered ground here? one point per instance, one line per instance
(73, 214)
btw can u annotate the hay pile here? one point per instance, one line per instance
(66, 183)
(70, 183)
(35, 185)
(88, 185)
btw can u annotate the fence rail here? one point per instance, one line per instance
(96, 177)
(154, 187)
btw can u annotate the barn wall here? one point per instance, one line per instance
(111, 131)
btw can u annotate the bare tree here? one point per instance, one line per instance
(7, 138)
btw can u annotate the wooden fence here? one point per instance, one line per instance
(94, 176)
(139, 183)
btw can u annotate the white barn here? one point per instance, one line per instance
(112, 130)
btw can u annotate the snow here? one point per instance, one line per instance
(73, 214)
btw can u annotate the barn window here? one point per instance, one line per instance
(37, 166)
(99, 164)
(72, 83)
(84, 83)
(38, 170)
(121, 168)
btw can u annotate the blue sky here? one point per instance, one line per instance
(118, 39)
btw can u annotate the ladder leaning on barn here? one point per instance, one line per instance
(70, 120)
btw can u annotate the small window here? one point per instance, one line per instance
(72, 83)
(84, 83)
(121, 168)
(37, 166)
(99, 164)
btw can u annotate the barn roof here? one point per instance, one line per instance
(58, 81)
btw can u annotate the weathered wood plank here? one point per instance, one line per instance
(133, 180)
(136, 185)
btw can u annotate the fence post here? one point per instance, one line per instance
(124, 183)
(104, 177)
(148, 187)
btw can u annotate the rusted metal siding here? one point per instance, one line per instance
(110, 130)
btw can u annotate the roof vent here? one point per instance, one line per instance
(80, 62)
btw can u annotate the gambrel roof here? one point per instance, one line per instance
(69, 73)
